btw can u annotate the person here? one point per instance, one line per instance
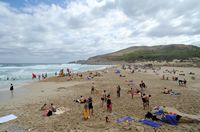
(45, 75)
(132, 92)
(46, 110)
(86, 114)
(145, 100)
(11, 88)
(107, 119)
(44, 107)
(92, 89)
(39, 77)
(142, 86)
(52, 108)
(109, 104)
(90, 106)
(167, 91)
(118, 90)
(80, 100)
(103, 98)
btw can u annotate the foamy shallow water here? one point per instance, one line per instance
(19, 74)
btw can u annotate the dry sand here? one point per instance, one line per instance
(62, 93)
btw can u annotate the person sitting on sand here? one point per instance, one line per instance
(109, 104)
(46, 110)
(167, 91)
(80, 100)
(44, 107)
(107, 119)
(52, 108)
(122, 75)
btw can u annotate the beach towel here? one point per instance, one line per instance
(7, 118)
(173, 93)
(124, 119)
(61, 110)
(150, 123)
(169, 118)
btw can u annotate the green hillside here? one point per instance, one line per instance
(167, 53)
(150, 53)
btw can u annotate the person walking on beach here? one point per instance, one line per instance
(11, 88)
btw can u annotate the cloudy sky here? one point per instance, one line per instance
(66, 30)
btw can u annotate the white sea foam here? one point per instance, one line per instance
(23, 72)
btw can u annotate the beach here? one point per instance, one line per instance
(62, 92)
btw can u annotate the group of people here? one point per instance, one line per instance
(48, 110)
(88, 108)
(106, 99)
(34, 76)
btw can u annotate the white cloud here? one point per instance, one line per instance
(80, 29)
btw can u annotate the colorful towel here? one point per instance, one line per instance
(125, 119)
(7, 118)
(151, 123)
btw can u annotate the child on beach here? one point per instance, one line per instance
(103, 98)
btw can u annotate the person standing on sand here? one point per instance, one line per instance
(90, 106)
(142, 86)
(118, 90)
(103, 98)
(109, 104)
(11, 88)
(86, 114)
(132, 92)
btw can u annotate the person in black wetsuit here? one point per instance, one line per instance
(11, 88)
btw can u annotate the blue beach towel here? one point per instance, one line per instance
(151, 123)
(125, 119)
(170, 118)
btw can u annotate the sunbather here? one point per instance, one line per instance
(167, 91)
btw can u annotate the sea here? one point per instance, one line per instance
(20, 74)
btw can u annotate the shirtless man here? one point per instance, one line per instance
(145, 100)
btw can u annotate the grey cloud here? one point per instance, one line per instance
(78, 30)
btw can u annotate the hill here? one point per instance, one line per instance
(150, 53)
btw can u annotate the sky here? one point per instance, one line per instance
(59, 31)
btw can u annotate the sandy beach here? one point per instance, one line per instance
(57, 90)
